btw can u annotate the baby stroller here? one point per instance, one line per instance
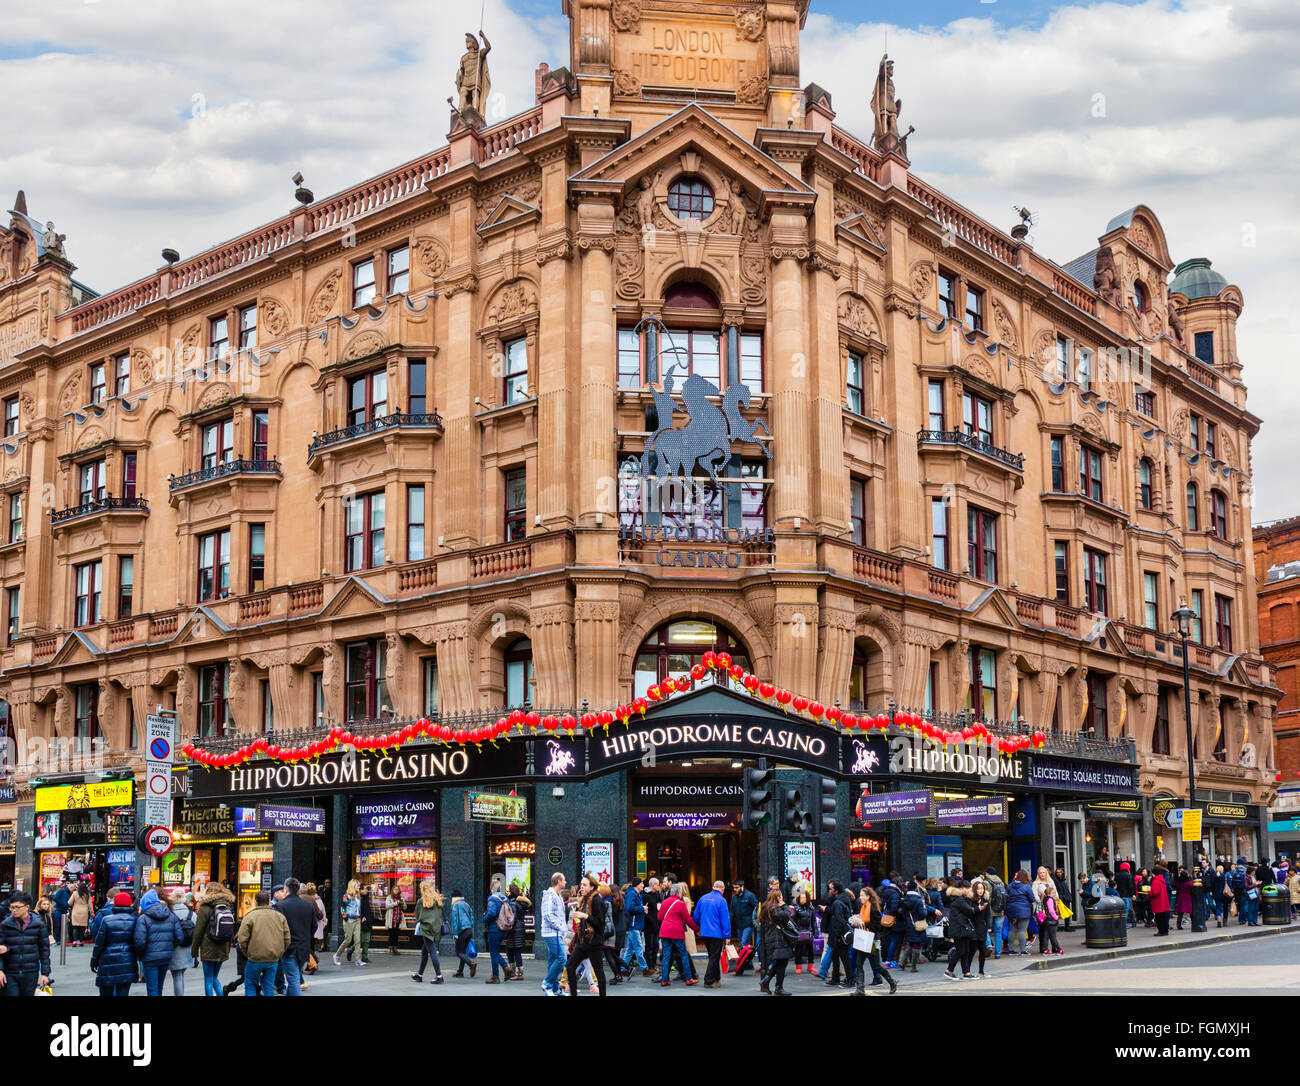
(937, 943)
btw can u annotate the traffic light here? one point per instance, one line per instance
(758, 798)
(826, 809)
(795, 817)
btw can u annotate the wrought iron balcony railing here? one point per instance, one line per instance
(969, 441)
(430, 420)
(240, 466)
(99, 505)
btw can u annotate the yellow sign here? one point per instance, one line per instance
(1192, 824)
(80, 797)
(1221, 810)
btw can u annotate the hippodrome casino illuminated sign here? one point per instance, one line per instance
(788, 741)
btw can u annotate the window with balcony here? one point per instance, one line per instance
(417, 400)
(1090, 472)
(15, 518)
(261, 437)
(365, 691)
(1223, 622)
(125, 586)
(256, 557)
(1144, 483)
(128, 476)
(518, 659)
(516, 370)
(218, 443)
(11, 416)
(248, 327)
(629, 358)
(92, 482)
(977, 417)
(98, 383)
(1150, 600)
(858, 510)
(213, 692)
(983, 683)
(218, 338)
(12, 614)
(974, 309)
(1061, 559)
(1204, 347)
(1219, 514)
(1058, 464)
(85, 718)
(367, 397)
(1094, 580)
(429, 684)
(364, 531)
(1198, 609)
(947, 293)
(934, 406)
(414, 523)
(981, 544)
(690, 197)
(363, 283)
(214, 565)
(516, 504)
(940, 534)
(1160, 733)
(122, 375)
(88, 579)
(1193, 508)
(753, 496)
(399, 270)
(1144, 403)
(1094, 719)
(853, 390)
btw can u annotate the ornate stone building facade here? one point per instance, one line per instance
(387, 451)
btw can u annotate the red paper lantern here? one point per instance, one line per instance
(833, 713)
(816, 709)
(445, 733)
(568, 722)
(187, 749)
(698, 672)
(710, 659)
(766, 690)
(783, 696)
(724, 660)
(588, 720)
(654, 693)
(623, 712)
(605, 717)
(750, 683)
(639, 705)
(736, 672)
(799, 702)
(259, 744)
(516, 717)
(849, 720)
(669, 686)
(684, 683)
(461, 736)
(273, 751)
(532, 718)
(550, 723)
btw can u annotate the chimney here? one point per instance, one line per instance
(540, 78)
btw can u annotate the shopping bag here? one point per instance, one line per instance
(863, 940)
(819, 944)
(733, 952)
(1066, 911)
(471, 951)
(691, 947)
(934, 931)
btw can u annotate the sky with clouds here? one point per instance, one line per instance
(135, 125)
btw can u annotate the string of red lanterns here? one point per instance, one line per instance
(528, 720)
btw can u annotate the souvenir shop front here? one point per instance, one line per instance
(77, 826)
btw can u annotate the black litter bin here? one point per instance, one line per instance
(1275, 906)
(1105, 924)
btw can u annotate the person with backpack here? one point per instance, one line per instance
(181, 959)
(498, 918)
(891, 902)
(1237, 884)
(588, 943)
(264, 938)
(462, 925)
(214, 932)
(914, 915)
(113, 960)
(996, 890)
(743, 903)
(1019, 909)
(1250, 887)
(157, 935)
(514, 939)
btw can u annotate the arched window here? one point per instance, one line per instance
(1193, 512)
(690, 296)
(1219, 513)
(676, 647)
(519, 672)
(1144, 482)
(690, 197)
(1140, 296)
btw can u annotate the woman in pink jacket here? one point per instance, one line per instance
(1158, 899)
(674, 918)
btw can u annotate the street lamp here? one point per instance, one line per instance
(1183, 619)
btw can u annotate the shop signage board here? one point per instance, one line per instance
(1132, 805)
(712, 734)
(915, 756)
(73, 797)
(1192, 824)
(7, 793)
(1160, 812)
(401, 814)
(686, 791)
(598, 858)
(8, 842)
(801, 861)
(558, 758)
(377, 861)
(890, 806)
(685, 820)
(1226, 810)
(1284, 825)
(47, 830)
(281, 819)
(119, 827)
(348, 771)
(495, 807)
(197, 823)
(969, 812)
(1066, 775)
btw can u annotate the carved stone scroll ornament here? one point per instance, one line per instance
(855, 314)
(274, 317)
(430, 257)
(322, 301)
(921, 277)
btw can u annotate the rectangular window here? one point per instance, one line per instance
(212, 700)
(122, 375)
(629, 358)
(1062, 566)
(853, 384)
(858, 510)
(516, 372)
(85, 724)
(414, 523)
(15, 517)
(1160, 734)
(1194, 429)
(399, 270)
(981, 544)
(1145, 403)
(12, 612)
(256, 557)
(248, 327)
(366, 684)
(1212, 439)
(98, 385)
(363, 283)
(1223, 622)
(753, 497)
(516, 513)
(947, 293)
(429, 672)
(92, 482)
(89, 581)
(128, 476)
(318, 698)
(934, 405)
(1150, 600)
(1219, 513)
(214, 565)
(417, 400)
(364, 531)
(218, 339)
(261, 436)
(218, 443)
(11, 416)
(1058, 464)
(983, 684)
(1090, 473)
(1062, 359)
(367, 397)
(1094, 580)
(519, 674)
(940, 533)
(687, 351)
(1193, 508)
(125, 586)
(1083, 368)
(1204, 347)
(931, 688)
(268, 708)
(1095, 718)
(977, 416)
(1198, 609)
(751, 361)
(974, 309)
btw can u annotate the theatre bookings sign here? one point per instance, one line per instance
(1061, 774)
(349, 771)
(890, 806)
(715, 734)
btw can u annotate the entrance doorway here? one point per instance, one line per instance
(700, 857)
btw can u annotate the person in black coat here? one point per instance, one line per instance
(1063, 892)
(983, 919)
(840, 910)
(778, 948)
(961, 929)
(114, 961)
(300, 915)
(652, 899)
(24, 949)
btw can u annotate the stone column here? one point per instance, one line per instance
(554, 361)
(789, 369)
(836, 656)
(551, 632)
(597, 379)
(596, 636)
(460, 441)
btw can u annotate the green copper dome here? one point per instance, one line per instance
(1195, 279)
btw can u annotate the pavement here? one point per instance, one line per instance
(1148, 959)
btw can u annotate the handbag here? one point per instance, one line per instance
(805, 935)
(887, 921)
(1066, 911)
(1040, 914)
(920, 925)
